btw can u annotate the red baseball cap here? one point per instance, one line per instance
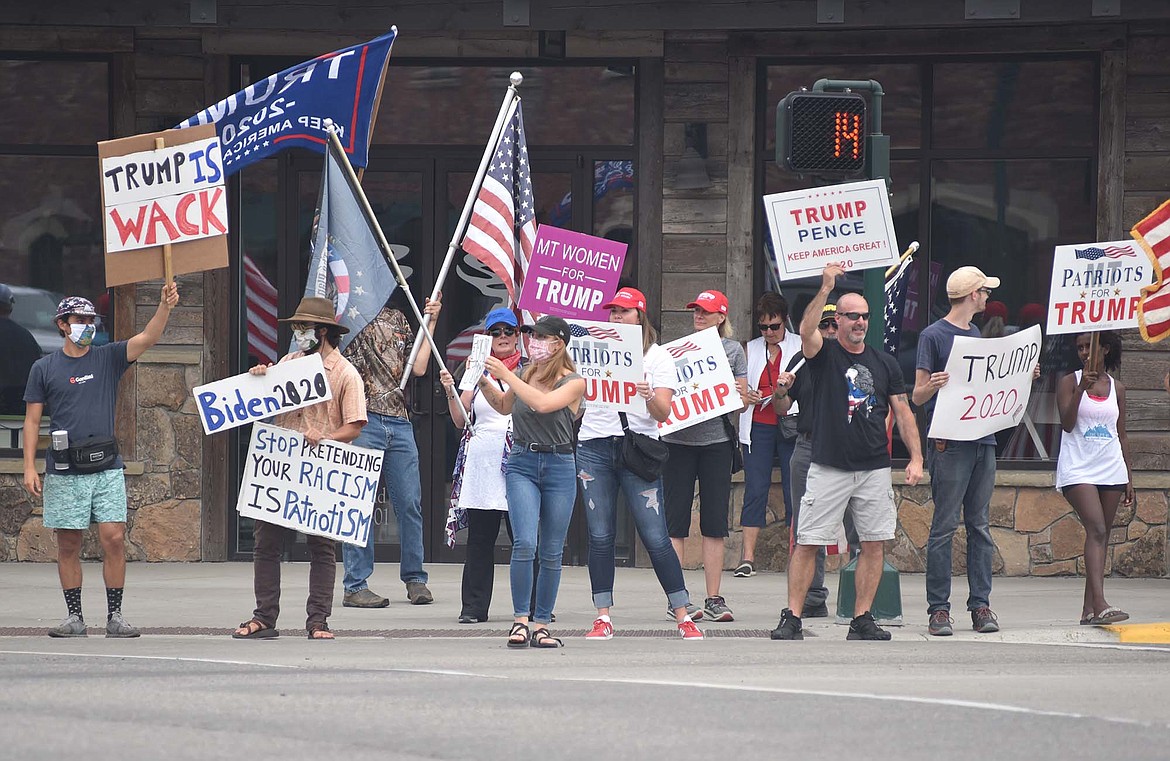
(710, 301)
(627, 298)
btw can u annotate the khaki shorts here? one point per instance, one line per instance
(75, 501)
(867, 494)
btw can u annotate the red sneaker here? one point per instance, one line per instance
(688, 630)
(602, 629)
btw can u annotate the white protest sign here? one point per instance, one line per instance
(481, 347)
(991, 380)
(609, 357)
(325, 490)
(846, 224)
(1097, 286)
(246, 398)
(705, 384)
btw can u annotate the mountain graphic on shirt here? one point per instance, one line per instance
(861, 388)
(1098, 431)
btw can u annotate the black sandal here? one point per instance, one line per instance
(312, 632)
(541, 638)
(519, 630)
(255, 629)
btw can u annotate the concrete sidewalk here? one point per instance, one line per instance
(210, 598)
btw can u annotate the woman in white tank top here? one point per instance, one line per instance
(1092, 470)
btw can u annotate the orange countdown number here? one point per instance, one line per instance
(847, 129)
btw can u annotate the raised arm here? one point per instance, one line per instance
(810, 338)
(1068, 397)
(424, 352)
(154, 329)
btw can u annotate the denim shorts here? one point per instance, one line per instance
(73, 502)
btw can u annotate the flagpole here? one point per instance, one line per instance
(387, 253)
(506, 108)
(908, 252)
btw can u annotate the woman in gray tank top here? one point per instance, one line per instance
(541, 479)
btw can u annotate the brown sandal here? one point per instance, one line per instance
(255, 629)
(316, 629)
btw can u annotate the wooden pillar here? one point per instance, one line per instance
(741, 190)
(648, 180)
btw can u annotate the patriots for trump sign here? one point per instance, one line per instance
(1097, 286)
(289, 109)
(608, 356)
(704, 384)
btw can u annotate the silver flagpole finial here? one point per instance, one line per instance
(328, 124)
(516, 79)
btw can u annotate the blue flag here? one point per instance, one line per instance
(347, 265)
(895, 289)
(288, 110)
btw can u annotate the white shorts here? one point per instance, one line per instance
(867, 494)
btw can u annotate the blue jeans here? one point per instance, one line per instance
(400, 474)
(767, 445)
(601, 472)
(818, 593)
(962, 476)
(541, 490)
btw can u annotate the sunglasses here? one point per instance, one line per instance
(855, 316)
(827, 324)
(764, 327)
(985, 291)
(497, 332)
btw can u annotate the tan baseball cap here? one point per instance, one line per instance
(966, 280)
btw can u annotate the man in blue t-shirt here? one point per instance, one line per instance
(962, 473)
(857, 388)
(78, 387)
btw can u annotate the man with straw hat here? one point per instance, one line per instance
(315, 330)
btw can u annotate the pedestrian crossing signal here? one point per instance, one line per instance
(821, 133)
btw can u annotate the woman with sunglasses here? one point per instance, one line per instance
(703, 452)
(483, 452)
(602, 471)
(759, 426)
(542, 477)
(1092, 469)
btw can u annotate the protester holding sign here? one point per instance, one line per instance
(480, 501)
(962, 473)
(603, 469)
(78, 387)
(857, 387)
(541, 482)
(760, 431)
(703, 452)
(315, 330)
(1092, 470)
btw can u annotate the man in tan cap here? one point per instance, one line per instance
(315, 330)
(962, 473)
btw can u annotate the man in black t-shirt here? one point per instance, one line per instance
(857, 387)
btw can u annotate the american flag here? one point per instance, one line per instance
(260, 300)
(460, 347)
(1153, 235)
(580, 331)
(895, 289)
(504, 211)
(681, 349)
(1093, 253)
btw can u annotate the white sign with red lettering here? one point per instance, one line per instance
(608, 356)
(991, 380)
(166, 195)
(705, 386)
(1097, 286)
(846, 224)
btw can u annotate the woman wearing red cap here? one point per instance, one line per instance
(601, 471)
(703, 452)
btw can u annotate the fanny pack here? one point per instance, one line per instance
(643, 456)
(94, 455)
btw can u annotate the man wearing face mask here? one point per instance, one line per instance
(315, 331)
(78, 386)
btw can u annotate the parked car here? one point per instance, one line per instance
(35, 308)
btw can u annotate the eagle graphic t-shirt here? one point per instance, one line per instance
(850, 406)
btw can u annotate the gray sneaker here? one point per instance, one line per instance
(70, 627)
(118, 627)
(364, 598)
(418, 594)
(694, 612)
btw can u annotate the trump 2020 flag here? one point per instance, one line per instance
(1153, 235)
(347, 265)
(288, 110)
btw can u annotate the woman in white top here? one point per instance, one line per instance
(483, 453)
(1092, 470)
(601, 471)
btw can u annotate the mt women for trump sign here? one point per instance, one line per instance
(846, 224)
(327, 489)
(571, 274)
(1097, 286)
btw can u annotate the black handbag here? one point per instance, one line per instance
(733, 439)
(94, 455)
(642, 455)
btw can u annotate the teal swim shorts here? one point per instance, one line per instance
(75, 501)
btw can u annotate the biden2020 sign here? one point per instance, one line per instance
(247, 398)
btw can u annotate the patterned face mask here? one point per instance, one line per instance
(82, 335)
(538, 350)
(306, 340)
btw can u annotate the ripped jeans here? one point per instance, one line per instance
(600, 472)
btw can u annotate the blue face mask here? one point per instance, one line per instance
(82, 335)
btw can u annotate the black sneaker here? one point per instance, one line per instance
(984, 621)
(864, 627)
(820, 610)
(789, 627)
(940, 624)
